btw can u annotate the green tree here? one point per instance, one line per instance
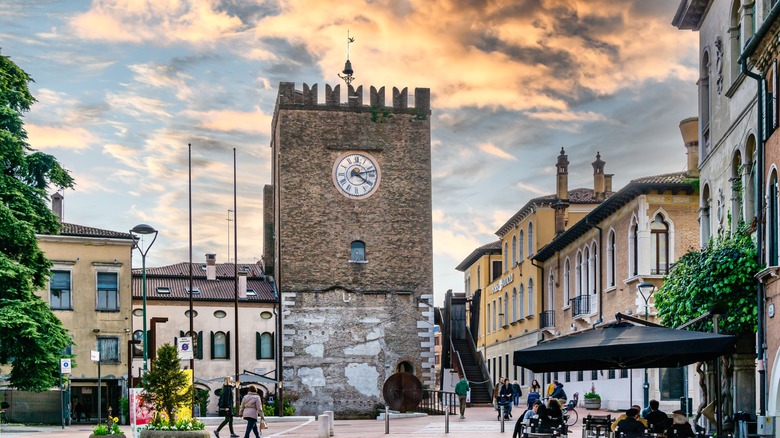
(723, 272)
(31, 337)
(166, 382)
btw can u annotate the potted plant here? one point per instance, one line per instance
(110, 428)
(591, 399)
(169, 388)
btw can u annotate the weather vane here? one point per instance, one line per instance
(347, 76)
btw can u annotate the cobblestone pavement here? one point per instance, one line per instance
(479, 422)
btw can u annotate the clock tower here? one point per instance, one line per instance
(349, 242)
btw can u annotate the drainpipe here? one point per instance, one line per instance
(541, 285)
(601, 236)
(759, 210)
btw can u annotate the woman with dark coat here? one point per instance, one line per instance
(225, 406)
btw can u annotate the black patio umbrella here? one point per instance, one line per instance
(624, 345)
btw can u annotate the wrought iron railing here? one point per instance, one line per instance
(437, 402)
(580, 305)
(547, 319)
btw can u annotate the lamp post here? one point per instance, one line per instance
(138, 231)
(646, 290)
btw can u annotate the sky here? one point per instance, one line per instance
(123, 86)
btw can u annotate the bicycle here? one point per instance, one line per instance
(570, 415)
(3, 418)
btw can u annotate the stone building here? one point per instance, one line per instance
(217, 351)
(592, 270)
(352, 249)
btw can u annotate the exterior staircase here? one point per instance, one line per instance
(480, 394)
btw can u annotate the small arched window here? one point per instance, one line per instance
(506, 256)
(521, 301)
(611, 259)
(566, 283)
(521, 246)
(220, 345)
(514, 250)
(514, 304)
(530, 239)
(772, 221)
(358, 251)
(266, 342)
(530, 296)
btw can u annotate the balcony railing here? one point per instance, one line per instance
(580, 305)
(547, 319)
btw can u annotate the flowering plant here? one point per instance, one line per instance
(161, 423)
(592, 394)
(110, 428)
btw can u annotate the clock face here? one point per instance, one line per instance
(356, 175)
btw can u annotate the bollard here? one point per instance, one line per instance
(332, 418)
(501, 413)
(446, 419)
(322, 426)
(387, 420)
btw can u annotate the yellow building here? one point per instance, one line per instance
(90, 293)
(503, 284)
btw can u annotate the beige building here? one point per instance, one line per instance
(593, 270)
(215, 349)
(502, 282)
(89, 292)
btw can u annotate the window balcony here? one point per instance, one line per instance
(581, 305)
(547, 319)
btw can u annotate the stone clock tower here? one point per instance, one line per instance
(349, 241)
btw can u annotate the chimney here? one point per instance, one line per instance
(242, 284)
(598, 178)
(562, 181)
(56, 205)
(689, 128)
(608, 182)
(562, 192)
(211, 267)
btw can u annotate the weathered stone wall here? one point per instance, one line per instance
(348, 325)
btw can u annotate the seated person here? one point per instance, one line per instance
(547, 424)
(558, 392)
(525, 419)
(623, 416)
(680, 427)
(657, 420)
(630, 426)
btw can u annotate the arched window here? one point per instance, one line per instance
(750, 180)
(405, 367)
(521, 246)
(514, 304)
(704, 106)
(736, 191)
(506, 308)
(633, 248)
(501, 314)
(566, 283)
(220, 345)
(489, 319)
(479, 278)
(138, 349)
(586, 262)
(506, 256)
(592, 258)
(772, 221)
(495, 316)
(611, 259)
(521, 300)
(266, 346)
(551, 292)
(195, 344)
(530, 239)
(704, 216)
(530, 296)
(659, 240)
(514, 250)
(358, 251)
(578, 275)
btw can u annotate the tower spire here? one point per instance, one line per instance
(347, 76)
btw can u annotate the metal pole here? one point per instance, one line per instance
(646, 386)
(143, 291)
(62, 401)
(718, 414)
(193, 335)
(235, 272)
(446, 419)
(501, 413)
(387, 420)
(100, 383)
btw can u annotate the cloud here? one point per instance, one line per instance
(163, 76)
(231, 120)
(531, 188)
(59, 137)
(491, 149)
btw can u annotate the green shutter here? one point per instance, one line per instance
(199, 351)
(258, 354)
(212, 345)
(227, 345)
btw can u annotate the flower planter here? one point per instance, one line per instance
(121, 435)
(592, 403)
(174, 433)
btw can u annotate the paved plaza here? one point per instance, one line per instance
(479, 422)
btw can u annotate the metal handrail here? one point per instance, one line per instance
(436, 402)
(480, 362)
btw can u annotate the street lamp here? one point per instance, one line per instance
(138, 231)
(646, 290)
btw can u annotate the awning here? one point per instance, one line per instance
(251, 378)
(624, 345)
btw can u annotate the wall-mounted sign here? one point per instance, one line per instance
(503, 282)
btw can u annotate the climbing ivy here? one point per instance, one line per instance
(722, 272)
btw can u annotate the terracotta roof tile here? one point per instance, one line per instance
(82, 231)
(490, 248)
(666, 178)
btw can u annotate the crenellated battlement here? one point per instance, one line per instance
(308, 98)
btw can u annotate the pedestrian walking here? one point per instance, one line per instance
(462, 390)
(251, 408)
(225, 405)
